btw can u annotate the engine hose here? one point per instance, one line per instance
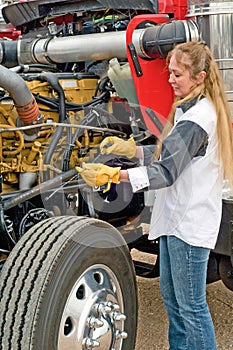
(33, 68)
(70, 106)
(52, 105)
(48, 156)
(157, 41)
(21, 95)
(68, 151)
(29, 113)
(52, 79)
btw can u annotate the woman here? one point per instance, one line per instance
(196, 155)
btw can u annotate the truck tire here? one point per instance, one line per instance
(69, 283)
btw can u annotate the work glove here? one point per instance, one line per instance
(115, 145)
(98, 174)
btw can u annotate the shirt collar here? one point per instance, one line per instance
(185, 106)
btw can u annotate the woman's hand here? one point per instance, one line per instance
(97, 174)
(118, 146)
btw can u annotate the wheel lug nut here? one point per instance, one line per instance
(102, 308)
(113, 306)
(94, 322)
(117, 316)
(116, 307)
(121, 334)
(89, 343)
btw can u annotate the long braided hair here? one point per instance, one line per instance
(201, 59)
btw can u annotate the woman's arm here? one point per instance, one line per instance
(186, 141)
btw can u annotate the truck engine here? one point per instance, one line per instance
(76, 72)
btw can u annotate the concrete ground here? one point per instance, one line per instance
(152, 319)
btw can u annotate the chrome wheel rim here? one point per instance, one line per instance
(93, 316)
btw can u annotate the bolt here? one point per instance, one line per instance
(113, 306)
(116, 307)
(102, 308)
(121, 334)
(89, 343)
(94, 322)
(117, 316)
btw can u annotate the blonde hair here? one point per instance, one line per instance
(201, 59)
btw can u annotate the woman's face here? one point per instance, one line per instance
(180, 78)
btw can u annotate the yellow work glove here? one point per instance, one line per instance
(97, 174)
(115, 145)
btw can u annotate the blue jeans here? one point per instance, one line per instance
(183, 270)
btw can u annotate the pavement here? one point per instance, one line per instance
(152, 318)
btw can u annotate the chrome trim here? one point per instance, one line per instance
(93, 314)
(200, 7)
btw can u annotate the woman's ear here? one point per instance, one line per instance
(200, 77)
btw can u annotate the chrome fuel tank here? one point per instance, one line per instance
(215, 22)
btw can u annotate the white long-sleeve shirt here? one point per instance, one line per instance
(187, 179)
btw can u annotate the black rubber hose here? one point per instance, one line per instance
(52, 79)
(158, 40)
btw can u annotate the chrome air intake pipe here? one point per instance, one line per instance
(151, 42)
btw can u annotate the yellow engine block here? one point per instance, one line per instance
(22, 151)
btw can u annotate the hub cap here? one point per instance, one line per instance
(93, 316)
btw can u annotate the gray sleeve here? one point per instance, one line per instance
(148, 152)
(186, 141)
